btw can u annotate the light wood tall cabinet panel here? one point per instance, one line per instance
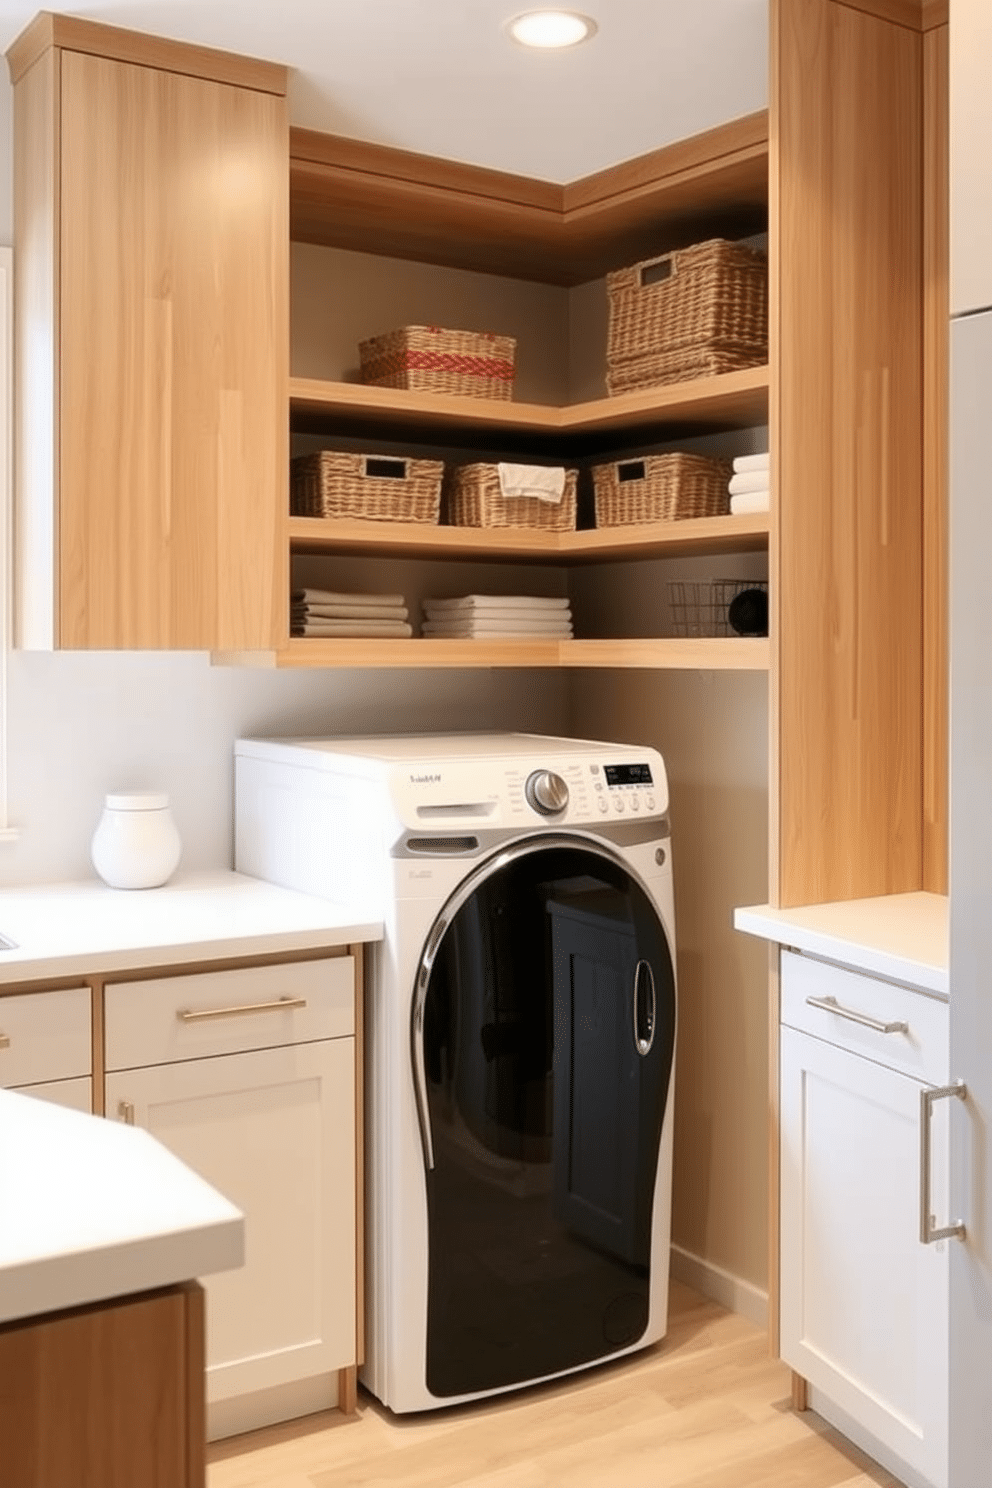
(151, 228)
(846, 419)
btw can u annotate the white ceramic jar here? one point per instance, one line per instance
(136, 844)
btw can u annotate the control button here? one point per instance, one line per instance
(635, 803)
(649, 802)
(602, 803)
(546, 792)
(618, 803)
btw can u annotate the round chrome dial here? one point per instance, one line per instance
(546, 792)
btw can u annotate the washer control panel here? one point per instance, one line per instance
(546, 792)
(622, 789)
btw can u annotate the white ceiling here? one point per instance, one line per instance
(441, 76)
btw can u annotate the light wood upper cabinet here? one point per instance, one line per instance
(152, 232)
(971, 180)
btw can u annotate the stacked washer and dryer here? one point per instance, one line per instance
(520, 1033)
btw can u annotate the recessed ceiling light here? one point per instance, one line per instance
(551, 28)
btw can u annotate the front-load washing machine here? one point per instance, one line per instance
(520, 1034)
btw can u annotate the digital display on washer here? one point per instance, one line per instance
(628, 774)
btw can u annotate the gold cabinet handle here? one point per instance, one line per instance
(279, 1005)
(125, 1112)
(4, 1041)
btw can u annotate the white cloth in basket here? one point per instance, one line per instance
(546, 482)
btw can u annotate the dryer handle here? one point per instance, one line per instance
(645, 1007)
(420, 1073)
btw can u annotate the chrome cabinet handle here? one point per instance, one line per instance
(200, 1015)
(831, 1005)
(644, 976)
(929, 1229)
(4, 1041)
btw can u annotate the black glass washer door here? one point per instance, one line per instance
(548, 1032)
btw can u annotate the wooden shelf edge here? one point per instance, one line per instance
(735, 653)
(695, 536)
(739, 397)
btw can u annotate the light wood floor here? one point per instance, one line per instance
(706, 1408)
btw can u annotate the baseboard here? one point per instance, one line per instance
(266, 1407)
(720, 1285)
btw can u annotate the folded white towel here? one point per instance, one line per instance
(466, 603)
(328, 596)
(310, 611)
(749, 501)
(546, 482)
(748, 480)
(744, 463)
(367, 628)
(464, 617)
(498, 628)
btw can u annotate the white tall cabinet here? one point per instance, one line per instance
(970, 732)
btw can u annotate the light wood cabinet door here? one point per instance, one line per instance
(970, 36)
(274, 1131)
(152, 220)
(864, 1305)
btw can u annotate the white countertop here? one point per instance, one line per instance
(899, 936)
(93, 1209)
(74, 929)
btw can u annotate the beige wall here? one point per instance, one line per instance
(712, 730)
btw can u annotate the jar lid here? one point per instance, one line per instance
(137, 801)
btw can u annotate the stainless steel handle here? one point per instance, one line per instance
(279, 1005)
(831, 1005)
(4, 1041)
(125, 1112)
(929, 1230)
(644, 975)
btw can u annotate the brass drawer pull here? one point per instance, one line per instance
(200, 1015)
(4, 1041)
(831, 1005)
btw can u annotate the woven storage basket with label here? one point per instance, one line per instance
(369, 488)
(661, 488)
(476, 364)
(474, 498)
(692, 313)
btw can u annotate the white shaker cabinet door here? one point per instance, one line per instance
(864, 1305)
(970, 40)
(76, 1094)
(273, 1130)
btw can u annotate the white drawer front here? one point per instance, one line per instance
(921, 1050)
(45, 1036)
(149, 1022)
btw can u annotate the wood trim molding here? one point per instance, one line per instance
(70, 33)
(910, 13)
(346, 193)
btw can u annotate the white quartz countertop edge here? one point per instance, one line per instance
(902, 937)
(92, 1210)
(80, 928)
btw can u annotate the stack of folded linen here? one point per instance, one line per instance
(476, 616)
(750, 484)
(322, 612)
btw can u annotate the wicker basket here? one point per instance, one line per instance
(429, 359)
(699, 606)
(372, 488)
(473, 498)
(661, 488)
(692, 313)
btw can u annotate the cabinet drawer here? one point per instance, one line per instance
(45, 1036)
(232, 1011)
(921, 1050)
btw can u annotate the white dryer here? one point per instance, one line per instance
(520, 1036)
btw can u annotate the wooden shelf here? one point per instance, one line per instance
(698, 536)
(735, 400)
(736, 653)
